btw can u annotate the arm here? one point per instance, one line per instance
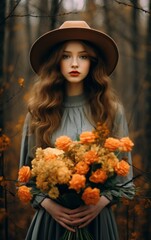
(41, 200)
(120, 129)
(28, 145)
(85, 214)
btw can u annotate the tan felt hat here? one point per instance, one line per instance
(74, 30)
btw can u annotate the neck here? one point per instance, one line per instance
(74, 89)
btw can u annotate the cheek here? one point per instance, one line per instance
(87, 68)
(62, 67)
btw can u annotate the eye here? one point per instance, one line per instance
(65, 56)
(84, 57)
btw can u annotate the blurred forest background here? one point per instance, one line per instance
(129, 23)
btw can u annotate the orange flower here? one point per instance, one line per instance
(87, 137)
(81, 168)
(112, 144)
(24, 194)
(99, 176)
(77, 182)
(122, 168)
(91, 196)
(90, 157)
(4, 142)
(21, 81)
(24, 174)
(63, 143)
(126, 144)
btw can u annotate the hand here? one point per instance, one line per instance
(83, 215)
(59, 213)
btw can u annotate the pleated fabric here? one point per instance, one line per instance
(43, 226)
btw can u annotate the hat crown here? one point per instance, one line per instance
(74, 24)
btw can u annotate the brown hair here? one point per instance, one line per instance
(45, 104)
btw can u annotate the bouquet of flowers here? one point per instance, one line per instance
(77, 172)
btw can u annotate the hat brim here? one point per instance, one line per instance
(42, 46)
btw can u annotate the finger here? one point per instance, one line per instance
(65, 210)
(66, 221)
(66, 226)
(84, 224)
(81, 214)
(80, 221)
(79, 209)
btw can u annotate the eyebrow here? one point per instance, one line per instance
(78, 52)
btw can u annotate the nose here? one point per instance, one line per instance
(74, 63)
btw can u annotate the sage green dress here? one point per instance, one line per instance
(74, 121)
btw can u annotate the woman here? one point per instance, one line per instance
(72, 93)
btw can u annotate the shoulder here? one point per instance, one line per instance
(119, 111)
(27, 124)
(120, 127)
(27, 120)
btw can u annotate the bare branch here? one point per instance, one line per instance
(42, 16)
(132, 6)
(11, 12)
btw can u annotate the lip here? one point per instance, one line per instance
(74, 73)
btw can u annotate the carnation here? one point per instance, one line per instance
(126, 144)
(122, 168)
(91, 196)
(112, 144)
(77, 182)
(24, 174)
(87, 137)
(63, 143)
(24, 194)
(99, 176)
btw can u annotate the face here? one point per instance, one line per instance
(75, 63)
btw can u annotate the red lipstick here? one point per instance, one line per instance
(74, 73)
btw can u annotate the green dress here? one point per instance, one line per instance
(74, 121)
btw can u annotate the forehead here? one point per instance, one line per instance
(74, 45)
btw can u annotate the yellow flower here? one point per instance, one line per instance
(24, 174)
(122, 168)
(24, 194)
(110, 163)
(51, 153)
(63, 175)
(91, 196)
(77, 182)
(53, 193)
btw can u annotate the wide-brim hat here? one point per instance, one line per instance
(74, 30)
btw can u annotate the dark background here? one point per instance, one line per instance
(129, 23)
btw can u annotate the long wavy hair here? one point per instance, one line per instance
(45, 104)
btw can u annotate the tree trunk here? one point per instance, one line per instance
(2, 33)
(53, 13)
(3, 227)
(147, 153)
(43, 21)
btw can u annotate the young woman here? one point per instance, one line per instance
(72, 93)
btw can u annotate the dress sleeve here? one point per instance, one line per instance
(28, 145)
(125, 185)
